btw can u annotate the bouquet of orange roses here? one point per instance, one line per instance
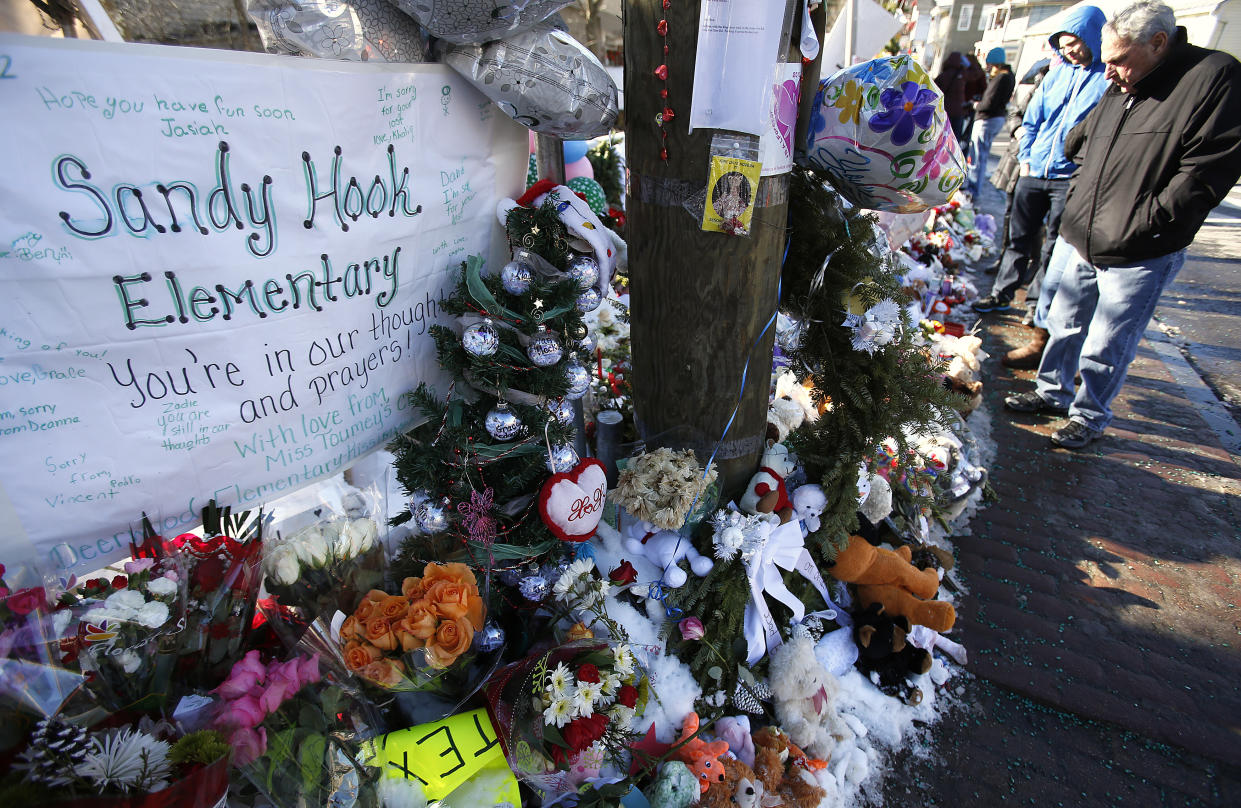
(407, 641)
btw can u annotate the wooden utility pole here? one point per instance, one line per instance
(699, 299)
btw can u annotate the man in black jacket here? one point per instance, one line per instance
(1162, 148)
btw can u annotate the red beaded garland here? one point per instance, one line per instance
(661, 73)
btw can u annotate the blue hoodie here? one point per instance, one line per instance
(1064, 98)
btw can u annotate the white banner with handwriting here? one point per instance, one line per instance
(217, 272)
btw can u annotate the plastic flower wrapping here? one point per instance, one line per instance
(315, 569)
(409, 641)
(564, 714)
(879, 131)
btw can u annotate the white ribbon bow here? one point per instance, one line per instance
(775, 548)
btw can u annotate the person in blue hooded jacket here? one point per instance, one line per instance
(1062, 101)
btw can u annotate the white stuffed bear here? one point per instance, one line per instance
(809, 502)
(664, 549)
(785, 415)
(804, 695)
(766, 492)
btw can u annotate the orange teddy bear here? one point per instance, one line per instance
(701, 757)
(890, 579)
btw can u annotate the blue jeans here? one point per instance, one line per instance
(1096, 320)
(985, 130)
(1036, 198)
(1061, 252)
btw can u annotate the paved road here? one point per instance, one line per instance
(1201, 311)
(1105, 588)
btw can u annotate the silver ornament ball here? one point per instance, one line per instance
(502, 423)
(561, 410)
(480, 339)
(578, 378)
(431, 517)
(533, 588)
(491, 638)
(562, 459)
(584, 270)
(516, 277)
(544, 349)
(587, 343)
(588, 300)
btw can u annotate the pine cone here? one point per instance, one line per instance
(55, 748)
(746, 697)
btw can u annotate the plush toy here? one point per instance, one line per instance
(888, 577)
(785, 770)
(809, 502)
(721, 793)
(664, 549)
(753, 794)
(885, 653)
(876, 504)
(735, 731)
(783, 416)
(675, 787)
(767, 492)
(805, 696)
(701, 757)
(586, 233)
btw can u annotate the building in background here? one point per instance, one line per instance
(1022, 27)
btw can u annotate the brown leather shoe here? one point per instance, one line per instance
(1029, 355)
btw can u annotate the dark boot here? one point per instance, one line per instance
(1029, 355)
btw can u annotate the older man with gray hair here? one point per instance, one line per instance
(1162, 148)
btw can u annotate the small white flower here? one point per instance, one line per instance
(152, 615)
(125, 602)
(622, 660)
(559, 713)
(611, 683)
(620, 714)
(162, 588)
(130, 661)
(585, 697)
(558, 680)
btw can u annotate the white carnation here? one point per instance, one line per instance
(162, 588)
(125, 602)
(152, 615)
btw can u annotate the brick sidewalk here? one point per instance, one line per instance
(1102, 618)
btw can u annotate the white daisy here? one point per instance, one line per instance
(584, 699)
(611, 683)
(622, 659)
(558, 680)
(559, 712)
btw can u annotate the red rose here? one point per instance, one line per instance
(25, 601)
(624, 575)
(627, 696)
(208, 573)
(588, 673)
(120, 582)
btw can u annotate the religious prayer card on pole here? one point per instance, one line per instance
(738, 46)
